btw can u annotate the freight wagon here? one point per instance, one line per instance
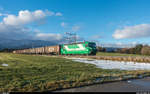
(82, 48)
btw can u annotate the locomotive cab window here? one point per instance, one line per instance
(92, 45)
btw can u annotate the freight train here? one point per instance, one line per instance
(81, 48)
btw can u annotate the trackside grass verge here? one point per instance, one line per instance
(116, 54)
(26, 73)
(118, 57)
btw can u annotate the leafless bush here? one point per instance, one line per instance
(145, 50)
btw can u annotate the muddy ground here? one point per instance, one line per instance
(136, 85)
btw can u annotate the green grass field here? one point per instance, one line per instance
(115, 54)
(43, 73)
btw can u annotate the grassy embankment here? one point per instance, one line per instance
(116, 54)
(121, 57)
(40, 73)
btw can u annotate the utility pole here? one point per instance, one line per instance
(71, 37)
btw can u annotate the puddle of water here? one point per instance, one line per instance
(108, 64)
(129, 81)
(98, 79)
(4, 64)
(144, 84)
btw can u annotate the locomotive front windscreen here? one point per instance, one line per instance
(93, 45)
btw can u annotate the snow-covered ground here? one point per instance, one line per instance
(4, 64)
(108, 64)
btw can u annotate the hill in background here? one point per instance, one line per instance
(21, 44)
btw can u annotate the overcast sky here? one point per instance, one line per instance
(107, 21)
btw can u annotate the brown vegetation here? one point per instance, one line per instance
(138, 49)
(145, 50)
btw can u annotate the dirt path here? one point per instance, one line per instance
(122, 86)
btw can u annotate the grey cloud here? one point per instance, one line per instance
(11, 32)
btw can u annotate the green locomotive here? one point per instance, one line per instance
(81, 48)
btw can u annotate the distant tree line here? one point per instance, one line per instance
(138, 49)
(101, 49)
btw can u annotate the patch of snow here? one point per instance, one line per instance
(108, 64)
(4, 64)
